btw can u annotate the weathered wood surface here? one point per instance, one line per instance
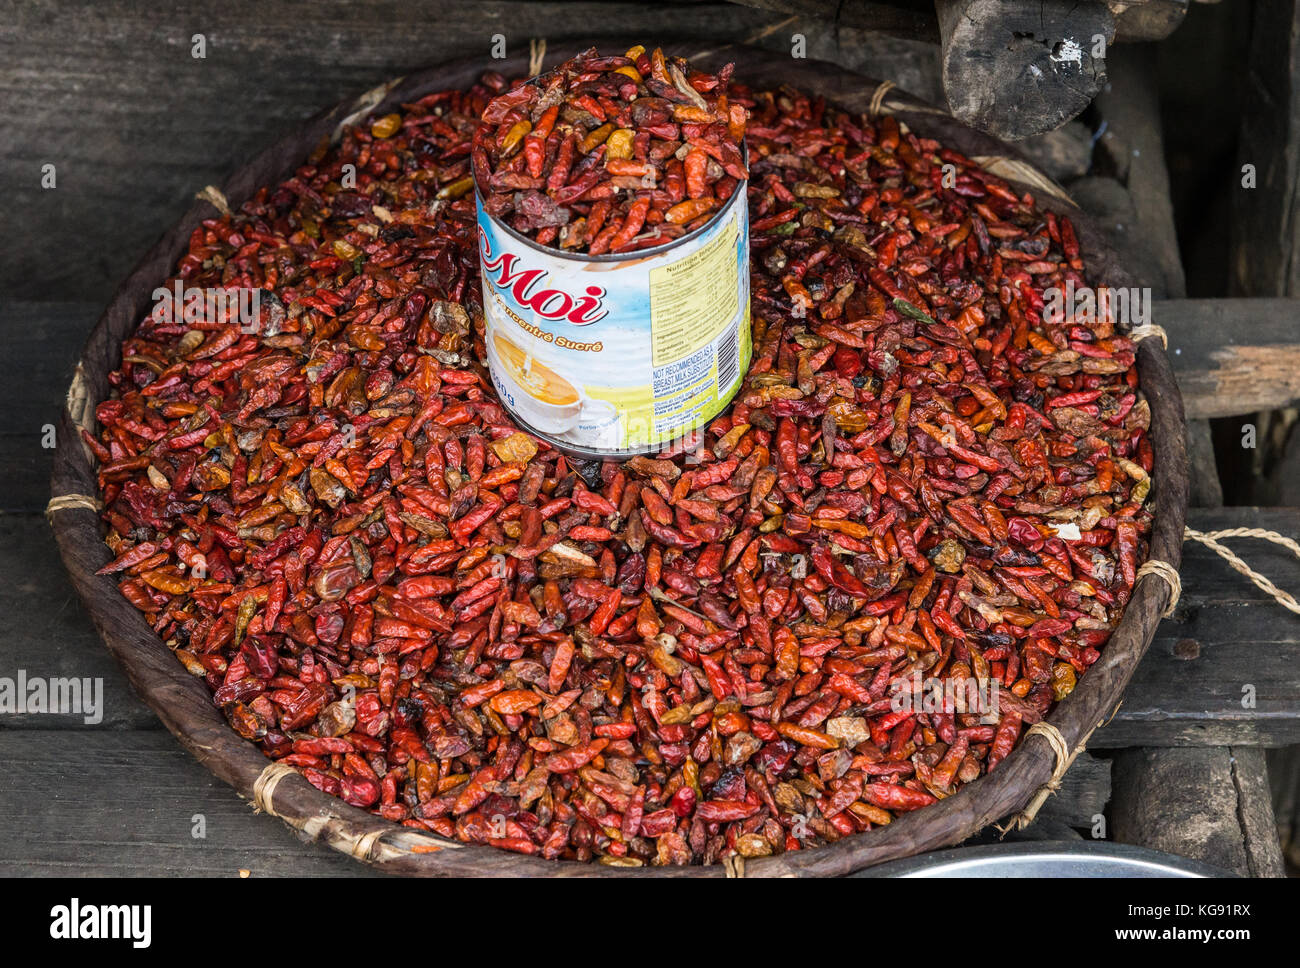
(41, 345)
(1221, 670)
(1132, 142)
(135, 125)
(1199, 802)
(1135, 20)
(1265, 228)
(1233, 356)
(109, 93)
(127, 804)
(1017, 69)
(1284, 764)
(48, 634)
(1130, 109)
(1084, 794)
(1207, 488)
(1212, 804)
(1284, 776)
(1140, 20)
(913, 22)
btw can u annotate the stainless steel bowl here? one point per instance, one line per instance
(1046, 859)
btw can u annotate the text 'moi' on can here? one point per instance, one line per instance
(617, 355)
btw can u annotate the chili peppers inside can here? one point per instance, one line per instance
(616, 355)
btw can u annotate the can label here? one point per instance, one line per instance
(618, 354)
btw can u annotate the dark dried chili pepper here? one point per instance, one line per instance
(435, 616)
(604, 155)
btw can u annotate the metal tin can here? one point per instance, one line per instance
(617, 355)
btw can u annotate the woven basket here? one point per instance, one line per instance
(185, 705)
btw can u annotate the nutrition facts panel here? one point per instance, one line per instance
(694, 298)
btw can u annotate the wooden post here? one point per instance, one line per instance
(1266, 217)
(1016, 69)
(1212, 804)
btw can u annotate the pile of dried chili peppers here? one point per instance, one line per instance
(611, 154)
(435, 616)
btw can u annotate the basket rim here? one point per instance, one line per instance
(184, 704)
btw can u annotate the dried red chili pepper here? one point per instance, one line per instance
(604, 155)
(435, 616)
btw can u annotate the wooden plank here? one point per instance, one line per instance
(1207, 489)
(1085, 791)
(1265, 227)
(1284, 764)
(911, 64)
(1284, 778)
(1233, 356)
(1015, 69)
(1135, 20)
(1255, 811)
(1131, 140)
(893, 20)
(108, 92)
(131, 146)
(49, 635)
(1208, 804)
(124, 804)
(42, 340)
(1228, 643)
(1140, 20)
(1063, 155)
(1130, 109)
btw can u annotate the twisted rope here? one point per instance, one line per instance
(1146, 331)
(1170, 574)
(536, 54)
(335, 830)
(215, 197)
(1063, 755)
(878, 98)
(265, 784)
(69, 501)
(363, 845)
(1210, 539)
